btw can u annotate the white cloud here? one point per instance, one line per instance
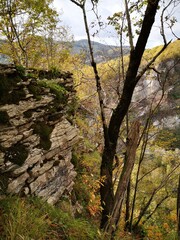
(72, 17)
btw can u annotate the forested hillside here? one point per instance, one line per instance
(89, 133)
(102, 52)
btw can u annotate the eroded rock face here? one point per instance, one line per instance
(36, 139)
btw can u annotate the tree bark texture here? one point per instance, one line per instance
(178, 210)
(132, 145)
(127, 214)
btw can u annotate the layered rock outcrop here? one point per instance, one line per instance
(36, 133)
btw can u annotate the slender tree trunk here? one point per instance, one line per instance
(143, 149)
(178, 210)
(132, 144)
(17, 35)
(106, 188)
(127, 214)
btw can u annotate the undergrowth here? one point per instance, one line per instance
(32, 218)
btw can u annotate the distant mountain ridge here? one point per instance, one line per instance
(102, 52)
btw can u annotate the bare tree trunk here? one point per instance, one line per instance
(17, 35)
(106, 188)
(127, 214)
(178, 210)
(143, 149)
(132, 145)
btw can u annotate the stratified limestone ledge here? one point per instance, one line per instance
(27, 165)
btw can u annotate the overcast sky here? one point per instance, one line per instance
(72, 17)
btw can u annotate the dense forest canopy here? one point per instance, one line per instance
(33, 33)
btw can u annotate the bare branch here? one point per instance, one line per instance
(157, 189)
(129, 26)
(79, 4)
(152, 61)
(162, 21)
(157, 206)
(147, 173)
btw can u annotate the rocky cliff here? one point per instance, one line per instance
(36, 133)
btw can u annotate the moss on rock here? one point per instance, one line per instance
(35, 89)
(59, 91)
(4, 118)
(16, 154)
(9, 91)
(4, 180)
(28, 113)
(44, 131)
